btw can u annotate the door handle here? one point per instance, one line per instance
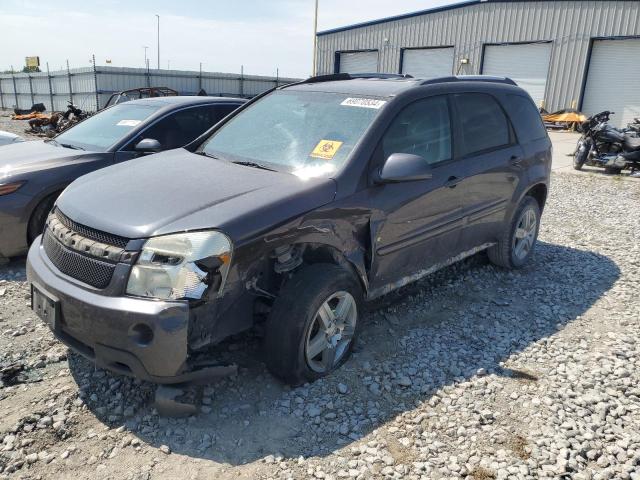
(515, 160)
(452, 182)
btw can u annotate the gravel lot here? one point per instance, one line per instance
(15, 126)
(474, 373)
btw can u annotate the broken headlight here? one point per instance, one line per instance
(181, 266)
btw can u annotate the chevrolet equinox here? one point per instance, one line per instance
(296, 209)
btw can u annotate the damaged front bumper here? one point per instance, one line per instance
(144, 338)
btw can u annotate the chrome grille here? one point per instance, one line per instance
(91, 233)
(81, 267)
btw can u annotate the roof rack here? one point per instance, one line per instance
(334, 77)
(469, 78)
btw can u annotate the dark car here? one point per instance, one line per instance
(296, 209)
(32, 174)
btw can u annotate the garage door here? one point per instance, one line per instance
(527, 65)
(359, 62)
(428, 62)
(612, 80)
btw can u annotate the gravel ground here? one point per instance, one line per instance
(16, 126)
(473, 373)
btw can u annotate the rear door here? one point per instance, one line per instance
(491, 160)
(420, 220)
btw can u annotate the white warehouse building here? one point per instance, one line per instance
(583, 54)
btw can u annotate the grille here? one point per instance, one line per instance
(96, 235)
(88, 270)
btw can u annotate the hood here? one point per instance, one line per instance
(23, 157)
(178, 191)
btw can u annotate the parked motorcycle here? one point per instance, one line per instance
(634, 127)
(72, 116)
(602, 145)
(57, 122)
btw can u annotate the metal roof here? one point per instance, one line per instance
(442, 8)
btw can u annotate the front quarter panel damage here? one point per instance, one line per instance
(336, 233)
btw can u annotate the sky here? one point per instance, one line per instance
(261, 35)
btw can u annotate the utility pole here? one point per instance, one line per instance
(158, 17)
(315, 39)
(145, 55)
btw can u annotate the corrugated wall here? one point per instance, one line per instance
(54, 89)
(570, 25)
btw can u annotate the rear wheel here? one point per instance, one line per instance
(39, 217)
(517, 243)
(313, 324)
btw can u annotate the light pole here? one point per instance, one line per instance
(158, 17)
(145, 56)
(315, 39)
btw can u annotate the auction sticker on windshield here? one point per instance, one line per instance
(128, 123)
(326, 149)
(364, 103)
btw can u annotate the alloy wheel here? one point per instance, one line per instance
(525, 235)
(331, 332)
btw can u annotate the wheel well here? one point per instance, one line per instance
(539, 192)
(44, 199)
(314, 253)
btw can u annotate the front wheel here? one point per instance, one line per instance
(580, 156)
(518, 240)
(313, 324)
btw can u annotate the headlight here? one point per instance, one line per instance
(181, 266)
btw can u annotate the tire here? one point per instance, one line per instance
(295, 319)
(39, 217)
(579, 158)
(506, 253)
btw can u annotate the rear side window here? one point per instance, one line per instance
(483, 124)
(423, 128)
(526, 119)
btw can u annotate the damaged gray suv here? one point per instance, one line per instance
(293, 211)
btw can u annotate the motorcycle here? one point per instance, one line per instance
(634, 127)
(69, 118)
(604, 146)
(57, 122)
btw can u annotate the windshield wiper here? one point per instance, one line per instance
(255, 165)
(68, 145)
(205, 154)
(238, 162)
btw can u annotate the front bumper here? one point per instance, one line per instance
(13, 226)
(106, 329)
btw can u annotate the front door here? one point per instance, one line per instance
(417, 223)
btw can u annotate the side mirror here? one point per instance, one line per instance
(148, 145)
(404, 167)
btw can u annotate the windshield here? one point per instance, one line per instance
(106, 128)
(307, 133)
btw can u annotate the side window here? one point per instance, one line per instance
(180, 128)
(423, 128)
(482, 122)
(525, 118)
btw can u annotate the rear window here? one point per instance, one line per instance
(526, 119)
(483, 124)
